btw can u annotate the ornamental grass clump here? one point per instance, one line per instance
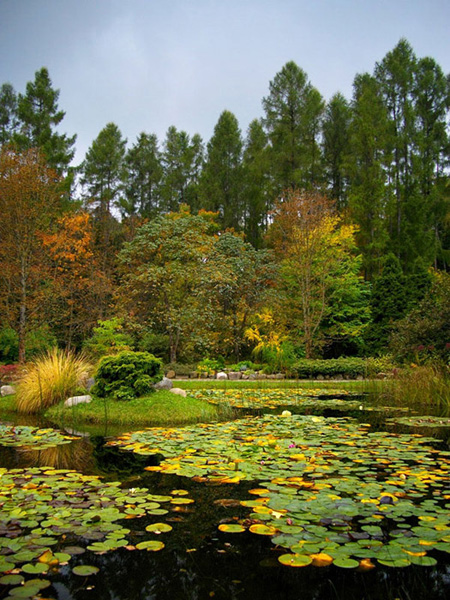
(50, 379)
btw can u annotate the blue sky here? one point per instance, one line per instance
(149, 64)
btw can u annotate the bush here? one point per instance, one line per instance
(332, 367)
(155, 343)
(108, 338)
(209, 366)
(180, 370)
(127, 375)
(9, 345)
(50, 379)
(9, 373)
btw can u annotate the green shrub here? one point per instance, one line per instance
(155, 343)
(50, 379)
(180, 370)
(127, 375)
(209, 366)
(37, 341)
(346, 367)
(9, 345)
(108, 338)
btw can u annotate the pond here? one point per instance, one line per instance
(301, 496)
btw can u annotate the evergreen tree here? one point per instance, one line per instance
(102, 176)
(181, 159)
(143, 178)
(38, 114)
(395, 75)
(388, 303)
(293, 111)
(369, 190)
(335, 144)
(222, 176)
(256, 184)
(8, 113)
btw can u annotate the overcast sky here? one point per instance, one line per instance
(149, 64)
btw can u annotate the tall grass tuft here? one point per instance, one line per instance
(421, 385)
(50, 379)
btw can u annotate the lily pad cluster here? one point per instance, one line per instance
(332, 490)
(270, 399)
(421, 421)
(47, 516)
(33, 437)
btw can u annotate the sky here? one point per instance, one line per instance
(149, 64)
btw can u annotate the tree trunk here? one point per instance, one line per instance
(22, 312)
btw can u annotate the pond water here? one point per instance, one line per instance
(307, 463)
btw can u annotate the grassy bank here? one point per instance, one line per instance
(357, 386)
(160, 408)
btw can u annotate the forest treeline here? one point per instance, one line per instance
(322, 231)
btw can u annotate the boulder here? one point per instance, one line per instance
(164, 384)
(179, 392)
(234, 375)
(171, 374)
(7, 390)
(74, 400)
(221, 375)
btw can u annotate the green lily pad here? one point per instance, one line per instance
(85, 570)
(295, 560)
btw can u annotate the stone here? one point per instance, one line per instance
(74, 400)
(280, 376)
(234, 375)
(7, 390)
(221, 375)
(260, 376)
(164, 384)
(90, 382)
(179, 392)
(171, 374)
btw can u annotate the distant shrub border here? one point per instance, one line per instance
(127, 375)
(348, 368)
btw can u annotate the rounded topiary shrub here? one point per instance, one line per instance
(127, 375)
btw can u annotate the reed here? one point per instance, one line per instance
(421, 385)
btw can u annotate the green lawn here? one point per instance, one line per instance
(160, 408)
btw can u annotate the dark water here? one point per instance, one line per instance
(200, 562)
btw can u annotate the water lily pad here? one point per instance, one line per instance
(11, 580)
(231, 528)
(151, 546)
(295, 560)
(158, 528)
(346, 563)
(85, 570)
(35, 569)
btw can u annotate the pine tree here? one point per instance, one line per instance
(293, 111)
(222, 176)
(38, 114)
(143, 178)
(256, 192)
(8, 113)
(369, 190)
(335, 144)
(181, 159)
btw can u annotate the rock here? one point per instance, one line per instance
(179, 392)
(233, 375)
(164, 384)
(7, 390)
(90, 382)
(245, 376)
(78, 400)
(280, 376)
(221, 375)
(193, 375)
(260, 376)
(252, 376)
(171, 374)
